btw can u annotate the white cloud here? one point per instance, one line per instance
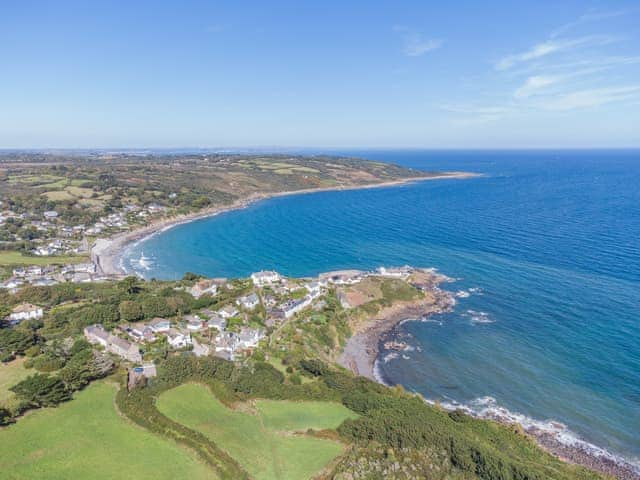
(592, 16)
(592, 98)
(533, 85)
(415, 45)
(549, 47)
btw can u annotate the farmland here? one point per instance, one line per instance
(104, 445)
(12, 257)
(256, 438)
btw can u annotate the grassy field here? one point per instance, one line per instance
(257, 441)
(299, 416)
(10, 374)
(11, 257)
(87, 439)
(58, 195)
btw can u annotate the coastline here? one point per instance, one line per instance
(361, 355)
(105, 253)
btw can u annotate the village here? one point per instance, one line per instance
(232, 331)
(55, 240)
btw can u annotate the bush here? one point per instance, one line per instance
(16, 340)
(48, 363)
(41, 390)
(130, 311)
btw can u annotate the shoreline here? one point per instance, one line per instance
(361, 355)
(106, 253)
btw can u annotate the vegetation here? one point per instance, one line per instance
(84, 189)
(261, 404)
(15, 258)
(86, 438)
(253, 438)
(10, 374)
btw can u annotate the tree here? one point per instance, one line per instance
(129, 285)
(16, 340)
(41, 390)
(130, 311)
(190, 277)
(5, 416)
(156, 307)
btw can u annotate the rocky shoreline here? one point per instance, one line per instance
(363, 348)
(381, 334)
(106, 252)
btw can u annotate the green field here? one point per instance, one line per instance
(87, 439)
(10, 374)
(11, 257)
(299, 416)
(58, 195)
(256, 439)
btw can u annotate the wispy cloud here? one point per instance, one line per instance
(535, 84)
(414, 42)
(592, 16)
(557, 74)
(552, 46)
(539, 84)
(592, 98)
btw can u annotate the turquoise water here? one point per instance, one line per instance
(548, 243)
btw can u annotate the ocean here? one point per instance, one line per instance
(545, 253)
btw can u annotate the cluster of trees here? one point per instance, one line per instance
(76, 365)
(15, 341)
(390, 419)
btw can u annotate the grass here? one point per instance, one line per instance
(58, 196)
(10, 374)
(87, 439)
(299, 416)
(39, 180)
(256, 440)
(398, 291)
(79, 191)
(12, 257)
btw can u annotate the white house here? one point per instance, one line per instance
(95, 334)
(216, 321)
(11, 284)
(25, 311)
(203, 287)
(194, 322)
(395, 272)
(228, 311)
(50, 214)
(160, 324)
(124, 349)
(292, 307)
(178, 339)
(200, 349)
(249, 301)
(264, 277)
(249, 337)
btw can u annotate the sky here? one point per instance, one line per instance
(334, 74)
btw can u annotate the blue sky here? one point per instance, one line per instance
(490, 74)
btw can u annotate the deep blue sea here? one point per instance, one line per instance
(547, 241)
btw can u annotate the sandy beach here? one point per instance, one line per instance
(106, 252)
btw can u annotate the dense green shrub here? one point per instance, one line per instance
(41, 390)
